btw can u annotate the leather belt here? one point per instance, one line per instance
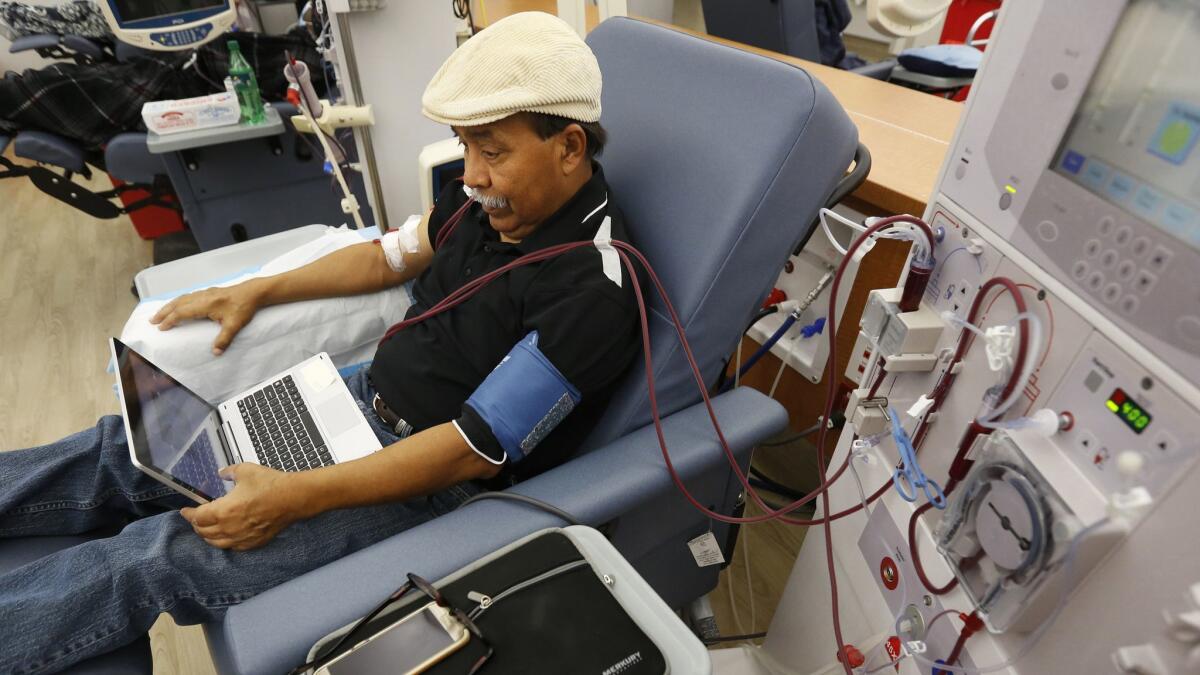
(393, 421)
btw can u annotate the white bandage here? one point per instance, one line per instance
(398, 242)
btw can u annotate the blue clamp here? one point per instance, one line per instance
(908, 476)
(813, 328)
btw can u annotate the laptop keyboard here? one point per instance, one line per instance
(283, 432)
(198, 467)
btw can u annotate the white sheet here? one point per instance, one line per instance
(347, 328)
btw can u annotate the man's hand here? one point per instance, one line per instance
(260, 506)
(232, 307)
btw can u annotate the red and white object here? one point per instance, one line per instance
(189, 114)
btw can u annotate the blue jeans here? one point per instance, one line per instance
(100, 595)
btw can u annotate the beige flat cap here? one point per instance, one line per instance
(527, 62)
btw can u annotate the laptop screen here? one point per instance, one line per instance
(173, 430)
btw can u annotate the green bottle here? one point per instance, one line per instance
(246, 86)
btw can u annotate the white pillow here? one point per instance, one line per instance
(348, 328)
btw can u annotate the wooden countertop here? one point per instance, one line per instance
(907, 132)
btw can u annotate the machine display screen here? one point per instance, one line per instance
(1133, 139)
(1133, 415)
(138, 10)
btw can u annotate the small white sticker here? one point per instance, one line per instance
(706, 551)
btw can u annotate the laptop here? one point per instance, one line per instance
(303, 418)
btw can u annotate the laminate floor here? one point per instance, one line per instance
(64, 289)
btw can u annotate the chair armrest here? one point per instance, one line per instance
(28, 42)
(43, 146)
(274, 630)
(82, 45)
(127, 158)
(73, 43)
(220, 263)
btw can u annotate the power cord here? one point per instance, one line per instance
(525, 499)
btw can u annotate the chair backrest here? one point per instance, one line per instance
(785, 26)
(719, 160)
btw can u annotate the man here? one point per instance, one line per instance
(524, 99)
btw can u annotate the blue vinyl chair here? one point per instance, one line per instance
(719, 160)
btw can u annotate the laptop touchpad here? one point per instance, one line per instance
(338, 414)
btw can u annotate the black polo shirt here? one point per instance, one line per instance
(581, 303)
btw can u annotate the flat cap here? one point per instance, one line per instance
(526, 62)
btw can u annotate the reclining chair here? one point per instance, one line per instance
(719, 160)
(227, 193)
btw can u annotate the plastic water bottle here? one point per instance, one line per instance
(246, 86)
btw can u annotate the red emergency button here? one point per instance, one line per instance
(888, 573)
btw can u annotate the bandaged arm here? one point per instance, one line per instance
(401, 245)
(519, 403)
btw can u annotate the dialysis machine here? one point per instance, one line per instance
(1071, 534)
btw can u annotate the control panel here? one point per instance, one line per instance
(1081, 151)
(183, 38)
(1118, 408)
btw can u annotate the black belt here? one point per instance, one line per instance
(393, 421)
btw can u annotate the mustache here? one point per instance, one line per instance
(494, 202)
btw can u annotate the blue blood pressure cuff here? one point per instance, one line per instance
(519, 403)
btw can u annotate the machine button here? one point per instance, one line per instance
(1145, 281)
(1005, 200)
(1123, 235)
(1126, 270)
(1160, 258)
(1095, 281)
(1047, 231)
(1060, 81)
(960, 170)
(1129, 305)
(1141, 246)
(1092, 248)
(1189, 328)
(1079, 270)
(1112, 293)
(1105, 226)
(1108, 259)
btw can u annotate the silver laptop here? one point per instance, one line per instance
(303, 418)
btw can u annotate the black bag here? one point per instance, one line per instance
(547, 611)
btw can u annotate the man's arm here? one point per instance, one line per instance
(362, 268)
(265, 501)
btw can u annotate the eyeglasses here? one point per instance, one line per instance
(414, 583)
